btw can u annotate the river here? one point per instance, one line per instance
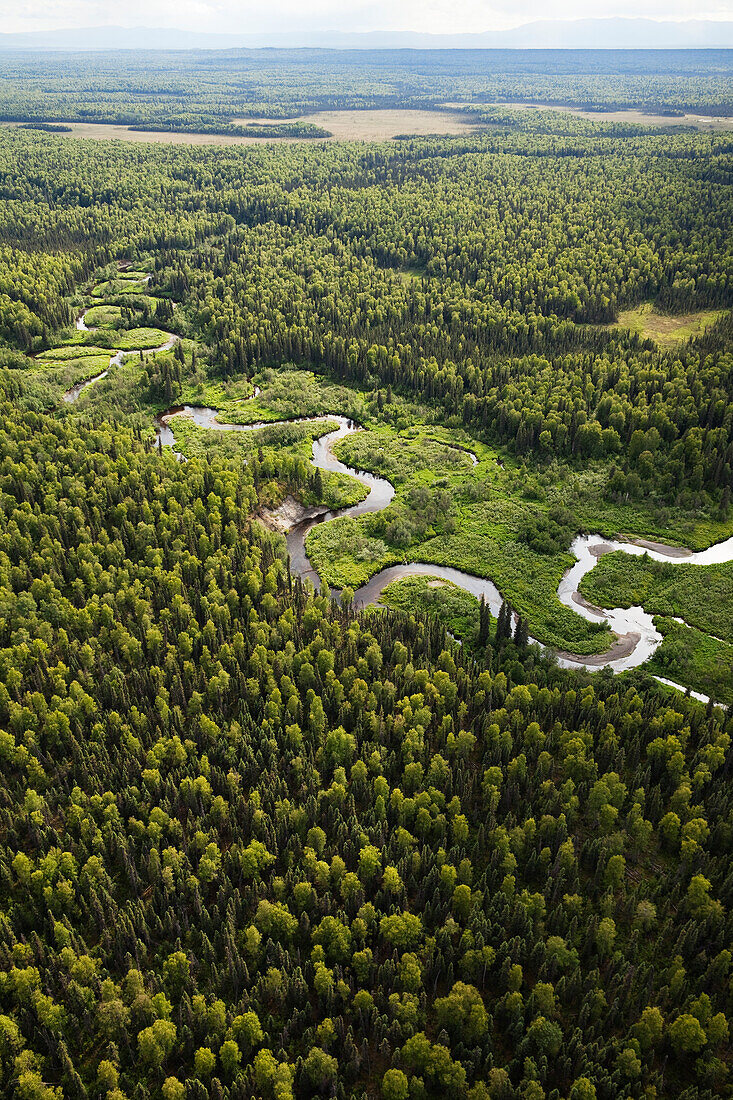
(637, 637)
(116, 358)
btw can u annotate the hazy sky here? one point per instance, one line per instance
(241, 16)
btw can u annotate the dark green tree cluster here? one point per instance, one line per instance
(510, 269)
(34, 292)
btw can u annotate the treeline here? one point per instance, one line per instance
(46, 127)
(256, 129)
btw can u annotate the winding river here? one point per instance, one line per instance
(116, 358)
(636, 636)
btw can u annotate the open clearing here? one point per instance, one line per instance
(380, 125)
(664, 328)
(343, 125)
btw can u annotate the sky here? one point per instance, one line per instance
(252, 16)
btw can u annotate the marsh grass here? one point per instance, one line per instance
(664, 328)
(702, 595)
(103, 315)
(114, 287)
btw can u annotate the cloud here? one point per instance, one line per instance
(242, 16)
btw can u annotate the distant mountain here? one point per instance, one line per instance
(578, 34)
(619, 34)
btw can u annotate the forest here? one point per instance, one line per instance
(261, 835)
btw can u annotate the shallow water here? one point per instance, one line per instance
(624, 622)
(687, 691)
(381, 493)
(632, 620)
(71, 395)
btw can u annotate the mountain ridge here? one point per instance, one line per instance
(606, 34)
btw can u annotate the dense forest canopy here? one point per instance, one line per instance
(257, 843)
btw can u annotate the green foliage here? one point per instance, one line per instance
(687, 1034)
(320, 1068)
(453, 607)
(462, 1012)
(401, 930)
(550, 533)
(204, 1061)
(219, 811)
(650, 1027)
(395, 1085)
(702, 595)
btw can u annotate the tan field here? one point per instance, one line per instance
(381, 125)
(344, 125)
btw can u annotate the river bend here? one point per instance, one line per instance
(636, 636)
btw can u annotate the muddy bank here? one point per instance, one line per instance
(621, 650)
(662, 548)
(600, 549)
(290, 513)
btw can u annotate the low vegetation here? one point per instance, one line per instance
(453, 607)
(694, 659)
(666, 330)
(702, 595)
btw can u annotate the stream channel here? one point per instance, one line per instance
(636, 636)
(115, 360)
